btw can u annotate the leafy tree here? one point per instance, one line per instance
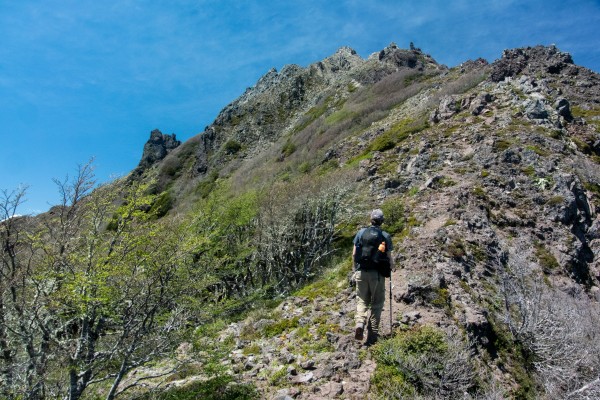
(82, 304)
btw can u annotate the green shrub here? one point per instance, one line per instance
(162, 204)
(456, 250)
(220, 387)
(537, 150)
(529, 170)
(288, 148)
(390, 383)
(397, 133)
(501, 145)
(555, 201)
(171, 166)
(583, 146)
(278, 378)
(441, 299)
(252, 349)
(232, 146)
(305, 167)
(545, 257)
(278, 327)
(392, 354)
(395, 215)
(419, 340)
(419, 361)
(480, 193)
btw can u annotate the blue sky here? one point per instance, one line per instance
(82, 79)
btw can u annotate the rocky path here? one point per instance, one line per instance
(316, 358)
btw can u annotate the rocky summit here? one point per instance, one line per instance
(488, 175)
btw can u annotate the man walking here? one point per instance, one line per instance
(372, 254)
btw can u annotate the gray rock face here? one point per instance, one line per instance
(531, 59)
(157, 148)
(563, 108)
(536, 110)
(281, 99)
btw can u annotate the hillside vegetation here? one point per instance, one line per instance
(219, 267)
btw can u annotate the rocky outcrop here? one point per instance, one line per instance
(157, 148)
(531, 60)
(267, 111)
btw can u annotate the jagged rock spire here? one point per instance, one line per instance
(157, 148)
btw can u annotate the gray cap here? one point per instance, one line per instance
(377, 215)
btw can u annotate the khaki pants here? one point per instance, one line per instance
(370, 291)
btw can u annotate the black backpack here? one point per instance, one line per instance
(367, 253)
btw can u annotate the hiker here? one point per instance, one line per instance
(372, 255)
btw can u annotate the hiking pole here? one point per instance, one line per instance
(391, 327)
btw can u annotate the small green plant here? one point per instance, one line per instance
(480, 193)
(501, 145)
(252, 349)
(478, 252)
(288, 148)
(456, 250)
(555, 201)
(529, 170)
(542, 183)
(450, 222)
(445, 182)
(555, 134)
(592, 115)
(222, 387)
(546, 258)
(397, 133)
(413, 191)
(354, 161)
(395, 215)
(441, 299)
(537, 150)
(278, 327)
(305, 167)
(279, 377)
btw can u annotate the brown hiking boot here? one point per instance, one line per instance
(358, 334)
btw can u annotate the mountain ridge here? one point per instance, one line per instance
(494, 167)
(487, 174)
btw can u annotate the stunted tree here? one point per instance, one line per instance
(559, 331)
(18, 368)
(296, 229)
(92, 291)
